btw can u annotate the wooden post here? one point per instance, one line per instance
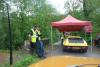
(10, 37)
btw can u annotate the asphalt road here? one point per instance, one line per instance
(56, 50)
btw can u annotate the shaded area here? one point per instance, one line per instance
(56, 50)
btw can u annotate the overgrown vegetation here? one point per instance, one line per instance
(20, 59)
(91, 12)
(24, 14)
(27, 14)
(39, 12)
(26, 61)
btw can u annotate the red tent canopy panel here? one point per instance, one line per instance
(71, 28)
(72, 24)
(88, 28)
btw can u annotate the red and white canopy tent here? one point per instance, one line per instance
(70, 23)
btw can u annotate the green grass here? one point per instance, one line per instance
(20, 58)
(25, 61)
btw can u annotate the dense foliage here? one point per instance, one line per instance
(24, 16)
(26, 13)
(91, 12)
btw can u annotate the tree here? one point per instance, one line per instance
(72, 5)
(90, 10)
(26, 14)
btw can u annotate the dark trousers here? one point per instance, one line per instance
(32, 47)
(40, 48)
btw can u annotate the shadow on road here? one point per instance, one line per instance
(56, 50)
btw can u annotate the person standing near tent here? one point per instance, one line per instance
(62, 38)
(33, 36)
(39, 43)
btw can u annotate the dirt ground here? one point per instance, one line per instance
(3, 57)
(67, 61)
(55, 50)
(57, 58)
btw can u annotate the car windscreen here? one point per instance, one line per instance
(75, 40)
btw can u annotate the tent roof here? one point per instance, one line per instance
(72, 24)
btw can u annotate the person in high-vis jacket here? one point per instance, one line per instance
(40, 45)
(33, 37)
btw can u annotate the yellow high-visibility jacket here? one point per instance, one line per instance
(34, 36)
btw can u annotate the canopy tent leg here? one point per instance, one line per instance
(85, 35)
(51, 40)
(91, 44)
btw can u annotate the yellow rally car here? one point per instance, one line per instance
(75, 43)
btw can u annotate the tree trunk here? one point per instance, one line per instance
(85, 10)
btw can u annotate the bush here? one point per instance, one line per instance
(24, 62)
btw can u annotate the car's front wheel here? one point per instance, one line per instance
(83, 50)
